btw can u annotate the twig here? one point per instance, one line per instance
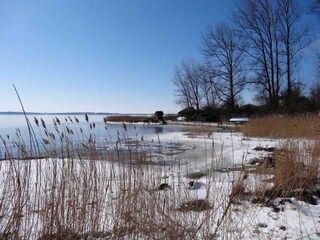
(32, 136)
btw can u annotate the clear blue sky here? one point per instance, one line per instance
(112, 56)
(107, 56)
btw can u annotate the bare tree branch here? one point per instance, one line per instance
(222, 46)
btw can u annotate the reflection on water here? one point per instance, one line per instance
(158, 130)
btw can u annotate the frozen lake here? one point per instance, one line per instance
(76, 130)
(9, 123)
(162, 144)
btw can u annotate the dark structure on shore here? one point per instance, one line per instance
(159, 117)
(191, 114)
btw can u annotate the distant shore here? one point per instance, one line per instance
(70, 113)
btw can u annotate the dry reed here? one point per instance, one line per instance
(73, 192)
(70, 191)
(296, 168)
(297, 160)
(131, 119)
(283, 127)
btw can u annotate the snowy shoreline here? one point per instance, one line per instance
(198, 168)
(296, 220)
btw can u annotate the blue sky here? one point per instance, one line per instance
(112, 56)
(99, 56)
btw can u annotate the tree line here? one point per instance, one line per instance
(259, 49)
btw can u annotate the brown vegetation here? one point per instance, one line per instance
(283, 127)
(64, 196)
(73, 193)
(296, 163)
(128, 118)
(293, 169)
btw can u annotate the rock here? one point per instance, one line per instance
(254, 161)
(262, 225)
(317, 187)
(283, 228)
(268, 161)
(258, 200)
(266, 149)
(309, 196)
(276, 202)
(195, 185)
(164, 186)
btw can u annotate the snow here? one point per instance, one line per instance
(239, 119)
(296, 220)
(213, 161)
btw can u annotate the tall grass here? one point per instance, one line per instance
(297, 159)
(296, 167)
(283, 127)
(70, 190)
(78, 187)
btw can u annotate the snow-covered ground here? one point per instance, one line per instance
(223, 151)
(204, 167)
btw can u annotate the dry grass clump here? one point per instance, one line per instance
(296, 163)
(295, 169)
(283, 127)
(131, 119)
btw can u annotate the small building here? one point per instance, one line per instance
(189, 113)
(159, 117)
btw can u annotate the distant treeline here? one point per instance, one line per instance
(258, 50)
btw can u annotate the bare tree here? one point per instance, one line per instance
(315, 90)
(207, 84)
(187, 81)
(318, 66)
(294, 38)
(315, 7)
(257, 21)
(314, 95)
(276, 39)
(182, 91)
(222, 47)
